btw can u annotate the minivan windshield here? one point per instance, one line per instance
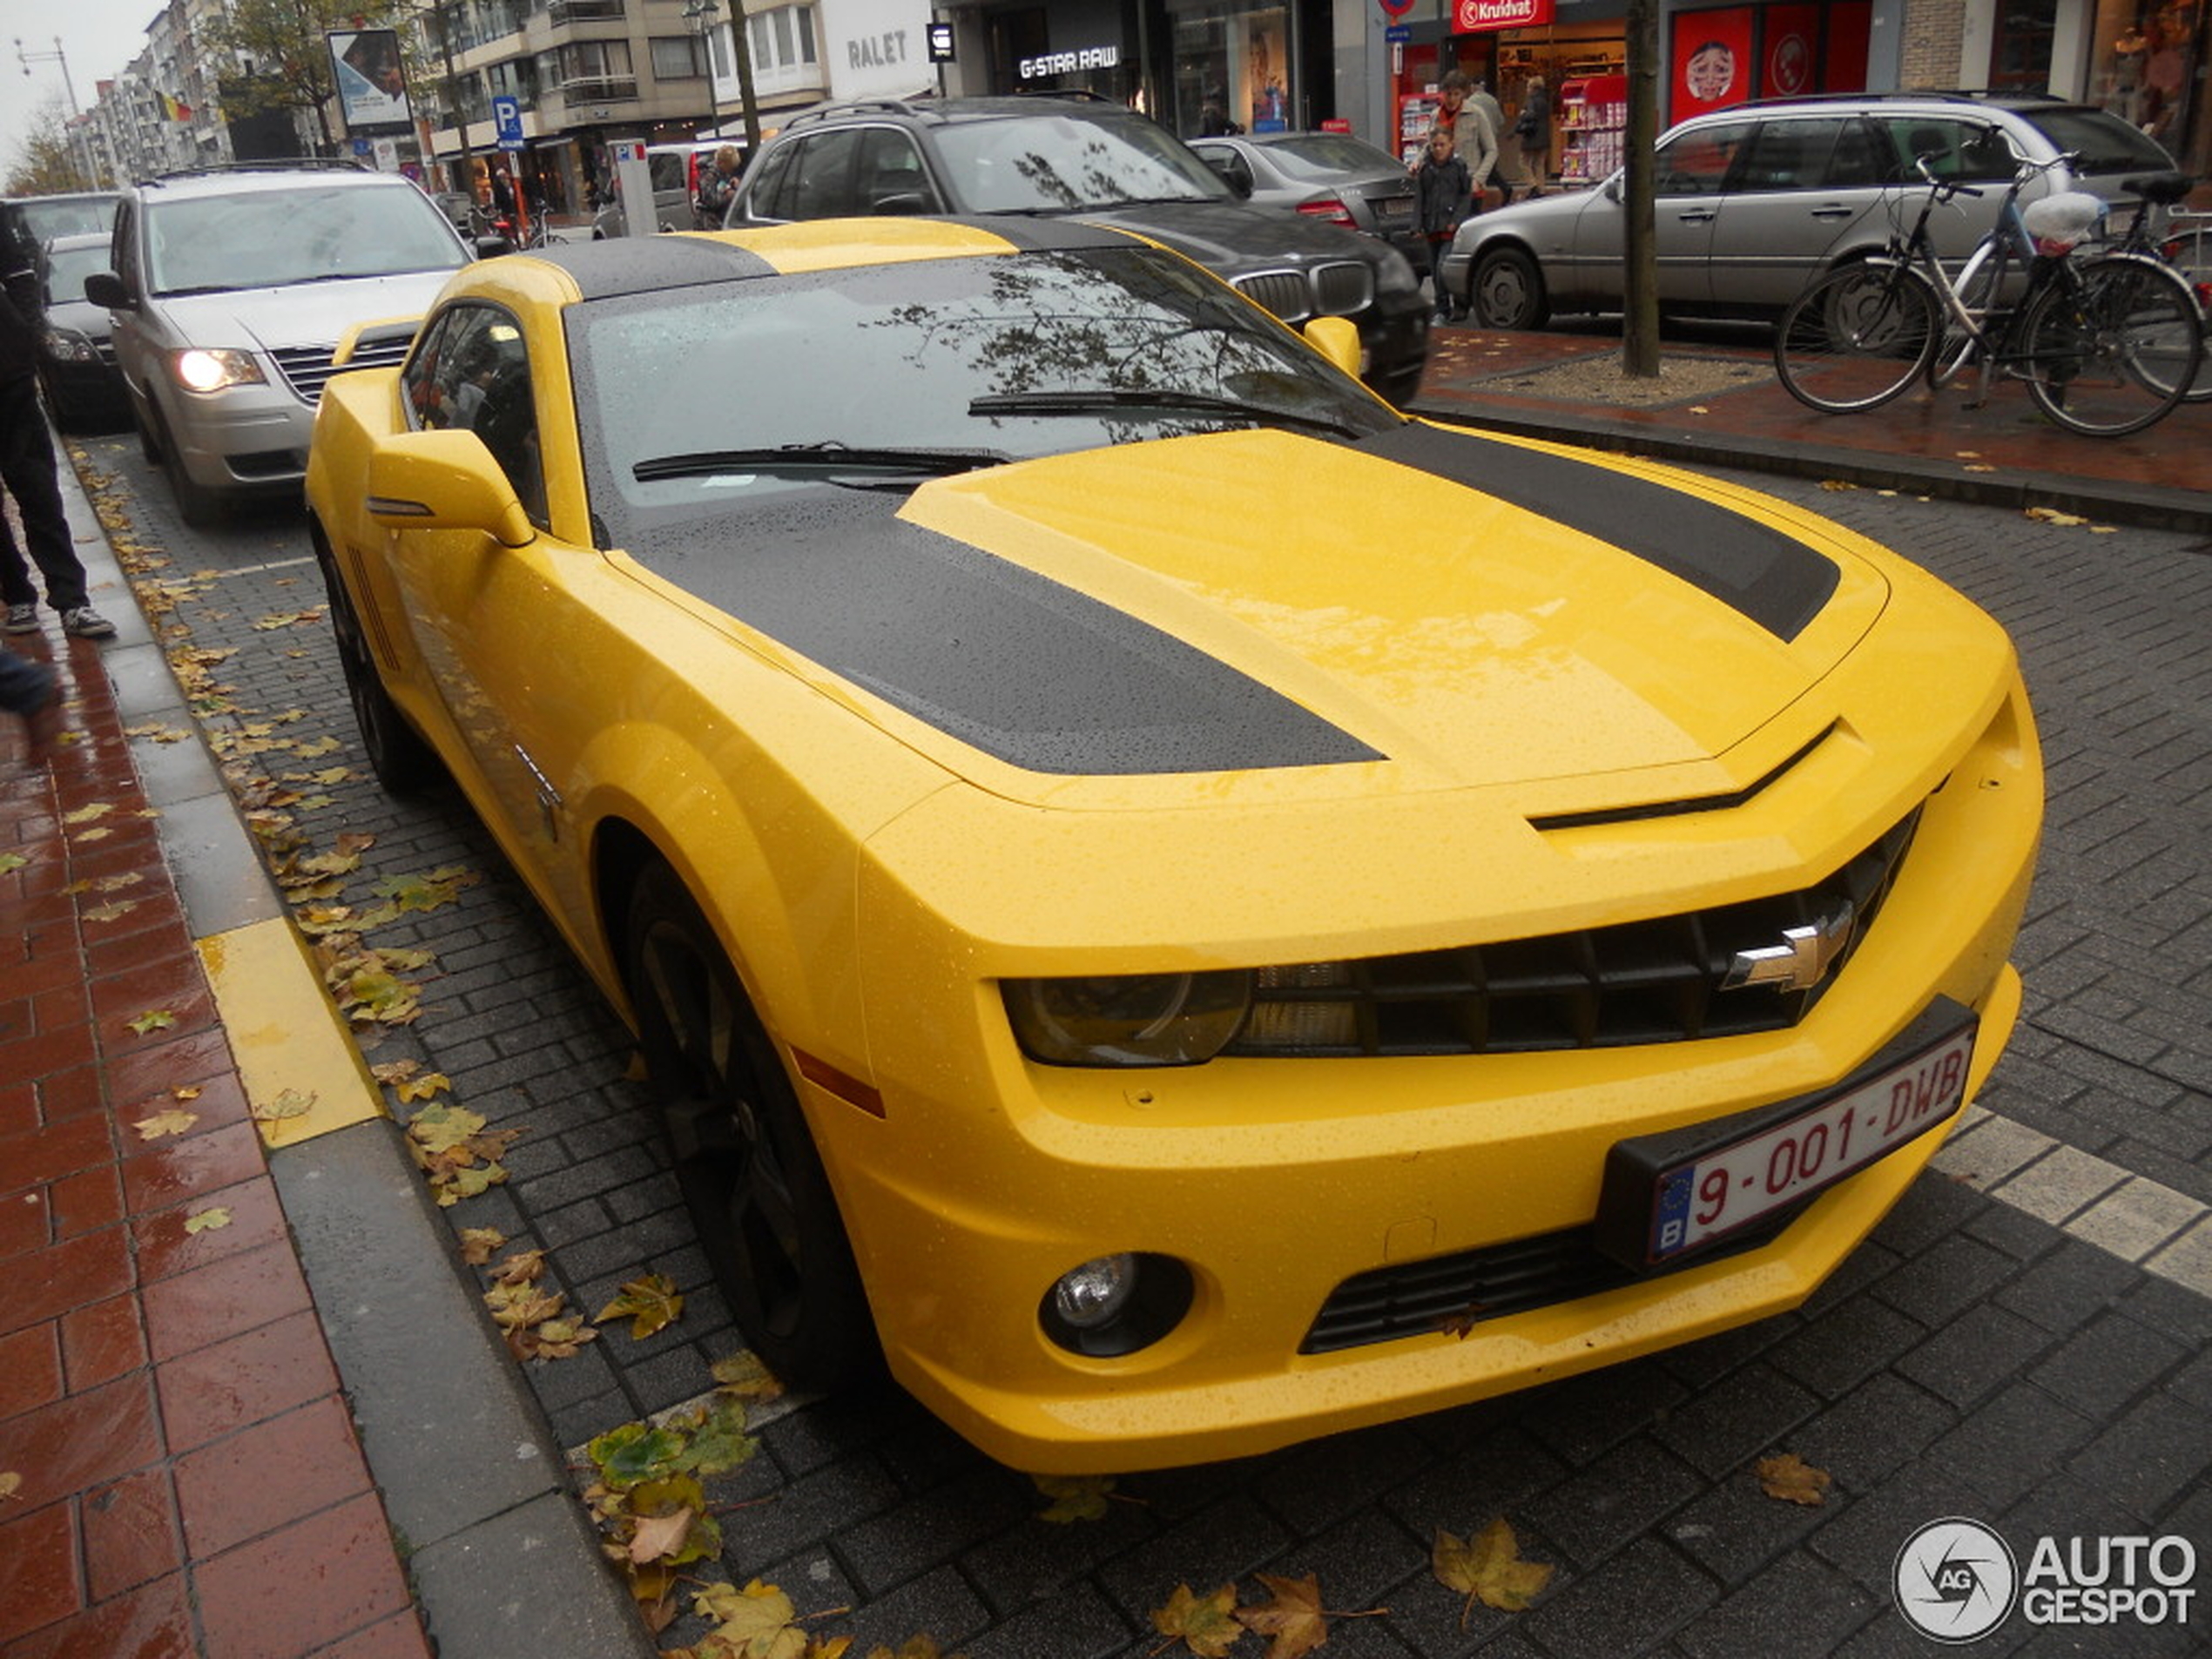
(269, 239)
(1046, 164)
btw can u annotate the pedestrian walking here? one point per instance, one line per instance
(1478, 98)
(1445, 193)
(1534, 128)
(1474, 139)
(32, 473)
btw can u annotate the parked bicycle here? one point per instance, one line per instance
(2107, 344)
(2161, 227)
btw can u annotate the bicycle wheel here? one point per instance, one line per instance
(1857, 337)
(1977, 288)
(2111, 347)
(2190, 252)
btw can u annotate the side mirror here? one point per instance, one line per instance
(105, 288)
(1612, 188)
(1336, 339)
(444, 481)
(490, 247)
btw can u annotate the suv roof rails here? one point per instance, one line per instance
(266, 163)
(854, 106)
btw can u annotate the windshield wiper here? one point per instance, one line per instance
(1091, 402)
(829, 456)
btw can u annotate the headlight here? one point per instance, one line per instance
(211, 371)
(67, 345)
(1128, 1020)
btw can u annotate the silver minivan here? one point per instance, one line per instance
(1751, 203)
(230, 291)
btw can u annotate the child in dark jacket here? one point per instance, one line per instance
(1446, 192)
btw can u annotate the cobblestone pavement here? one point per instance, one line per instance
(2024, 1341)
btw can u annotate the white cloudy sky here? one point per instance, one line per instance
(97, 38)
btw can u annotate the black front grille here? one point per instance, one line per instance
(1659, 980)
(1455, 1292)
(1284, 292)
(1344, 289)
(306, 369)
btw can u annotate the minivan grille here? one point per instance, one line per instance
(1652, 981)
(306, 369)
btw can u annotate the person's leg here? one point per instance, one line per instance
(28, 467)
(25, 686)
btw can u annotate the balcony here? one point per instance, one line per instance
(598, 88)
(572, 11)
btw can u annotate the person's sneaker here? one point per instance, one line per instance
(84, 622)
(21, 619)
(43, 718)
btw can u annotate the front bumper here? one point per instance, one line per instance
(1275, 1181)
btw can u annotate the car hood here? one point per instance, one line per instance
(79, 316)
(1234, 238)
(303, 313)
(1450, 609)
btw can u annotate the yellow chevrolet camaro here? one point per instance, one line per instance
(1175, 907)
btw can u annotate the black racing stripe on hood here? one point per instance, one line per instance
(623, 265)
(1772, 578)
(1009, 662)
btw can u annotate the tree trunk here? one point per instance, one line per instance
(1640, 326)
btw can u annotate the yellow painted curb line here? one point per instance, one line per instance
(303, 1076)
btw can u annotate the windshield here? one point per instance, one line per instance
(1062, 163)
(45, 217)
(2105, 143)
(269, 239)
(1323, 156)
(67, 268)
(699, 400)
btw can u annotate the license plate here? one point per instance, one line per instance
(1690, 1201)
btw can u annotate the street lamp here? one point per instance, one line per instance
(705, 16)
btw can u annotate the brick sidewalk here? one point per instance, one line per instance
(185, 1475)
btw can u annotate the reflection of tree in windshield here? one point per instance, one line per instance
(1099, 183)
(1055, 324)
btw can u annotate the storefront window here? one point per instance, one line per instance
(2140, 67)
(1232, 70)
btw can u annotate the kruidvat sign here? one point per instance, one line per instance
(1479, 17)
(1072, 63)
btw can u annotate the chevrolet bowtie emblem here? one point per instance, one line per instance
(1800, 962)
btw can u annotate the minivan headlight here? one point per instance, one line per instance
(1128, 1019)
(199, 369)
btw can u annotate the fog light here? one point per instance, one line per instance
(1116, 1304)
(1094, 1292)
(1301, 1019)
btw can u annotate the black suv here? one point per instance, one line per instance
(1104, 164)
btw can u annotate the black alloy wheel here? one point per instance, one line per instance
(403, 763)
(745, 1159)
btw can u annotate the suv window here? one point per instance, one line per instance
(891, 177)
(820, 186)
(266, 239)
(1049, 163)
(1697, 163)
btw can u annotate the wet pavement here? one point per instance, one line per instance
(296, 1431)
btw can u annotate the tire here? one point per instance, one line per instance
(403, 763)
(197, 505)
(745, 1159)
(2190, 253)
(149, 445)
(2113, 350)
(1507, 291)
(1857, 337)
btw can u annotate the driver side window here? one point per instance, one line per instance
(473, 372)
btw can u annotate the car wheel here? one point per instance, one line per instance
(149, 445)
(197, 504)
(1508, 291)
(403, 762)
(745, 1159)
